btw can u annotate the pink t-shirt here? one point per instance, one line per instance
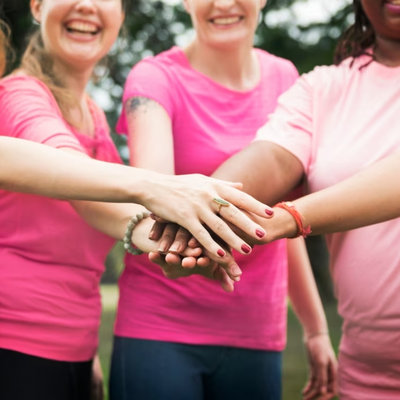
(338, 120)
(51, 260)
(210, 123)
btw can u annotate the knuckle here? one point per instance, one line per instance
(219, 226)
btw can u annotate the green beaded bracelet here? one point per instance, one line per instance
(128, 233)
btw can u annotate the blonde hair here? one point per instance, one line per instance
(37, 62)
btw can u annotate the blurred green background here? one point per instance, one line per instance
(303, 31)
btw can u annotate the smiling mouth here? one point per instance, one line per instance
(82, 28)
(223, 21)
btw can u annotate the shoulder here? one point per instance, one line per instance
(21, 84)
(331, 77)
(278, 64)
(164, 65)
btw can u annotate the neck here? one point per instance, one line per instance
(387, 51)
(75, 79)
(236, 68)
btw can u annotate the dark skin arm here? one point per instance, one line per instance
(268, 172)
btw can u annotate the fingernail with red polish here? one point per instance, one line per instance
(260, 233)
(221, 253)
(246, 249)
(269, 212)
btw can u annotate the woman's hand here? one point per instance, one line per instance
(189, 261)
(97, 384)
(322, 382)
(188, 201)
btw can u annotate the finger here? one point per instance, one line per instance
(158, 259)
(203, 262)
(188, 252)
(246, 202)
(157, 231)
(322, 379)
(226, 283)
(308, 387)
(180, 243)
(235, 185)
(159, 219)
(176, 261)
(333, 378)
(240, 219)
(189, 262)
(215, 250)
(220, 227)
(193, 242)
(167, 238)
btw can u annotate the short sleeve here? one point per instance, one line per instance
(151, 80)
(29, 111)
(291, 125)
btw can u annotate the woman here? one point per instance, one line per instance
(52, 259)
(321, 130)
(201, 105)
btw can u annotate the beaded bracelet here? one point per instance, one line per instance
(291, 209)
(128, 233)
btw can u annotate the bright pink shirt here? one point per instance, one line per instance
(338, 120)
(210, 123)
(51, 260)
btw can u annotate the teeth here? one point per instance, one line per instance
(85, 27)
(227, 21)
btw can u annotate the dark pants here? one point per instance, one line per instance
(154, 370)
(25, 377)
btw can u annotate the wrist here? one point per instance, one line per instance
(301, 229)
(314, 334)
(282, 225)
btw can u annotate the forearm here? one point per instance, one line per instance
(303, 291)
(369, 197)
(268, 172)
(34, 168)
(111, 219)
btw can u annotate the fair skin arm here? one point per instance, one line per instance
(148, 123)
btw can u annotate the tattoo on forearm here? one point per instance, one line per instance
(135, 104)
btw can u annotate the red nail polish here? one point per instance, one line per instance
(221, 253)
(246, 249)
(260, 233)
(269, 212)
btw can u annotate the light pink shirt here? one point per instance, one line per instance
(210, 123)
(51, 261)
(337, 121)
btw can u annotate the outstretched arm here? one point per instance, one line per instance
(369, 197)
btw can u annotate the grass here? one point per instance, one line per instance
(294, 363)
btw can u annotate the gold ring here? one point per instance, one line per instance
(221, 203)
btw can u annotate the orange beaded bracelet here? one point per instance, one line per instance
(291, 209)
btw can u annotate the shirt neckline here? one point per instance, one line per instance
(187, 64)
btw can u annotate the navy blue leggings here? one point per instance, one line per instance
(154, 370)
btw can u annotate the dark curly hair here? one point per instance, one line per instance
(356, 39)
